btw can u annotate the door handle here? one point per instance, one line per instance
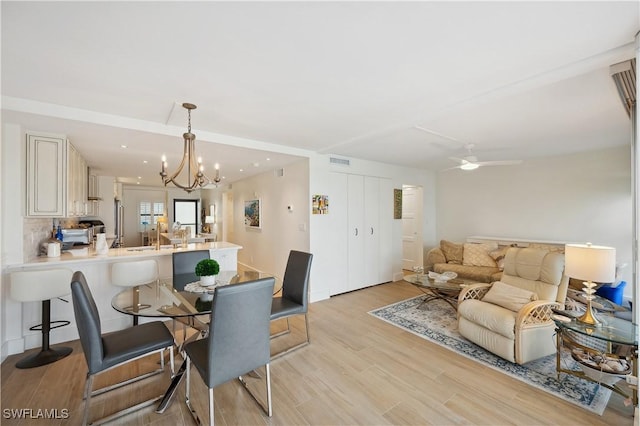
(372, 230)
(356, 232)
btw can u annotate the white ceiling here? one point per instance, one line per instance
(517, 79)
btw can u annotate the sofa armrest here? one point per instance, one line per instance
(435, 255)
(538, 312)
(473, 291)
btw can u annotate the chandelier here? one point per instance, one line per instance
(195, 169)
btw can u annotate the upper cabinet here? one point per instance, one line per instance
(76, 183)
(46, 175)
(93, 195)
(56, 177)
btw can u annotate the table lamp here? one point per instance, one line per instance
(592, 264)
(209, 220)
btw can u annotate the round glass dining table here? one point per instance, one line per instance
(160, 299)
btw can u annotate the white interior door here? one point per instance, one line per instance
(355, 208)
(411, 227)
(371, 231)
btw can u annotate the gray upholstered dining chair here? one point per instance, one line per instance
(184, 267)
(106, 351)
(238, 340)
(295, 296)
(184, 272)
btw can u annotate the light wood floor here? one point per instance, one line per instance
(357, 370)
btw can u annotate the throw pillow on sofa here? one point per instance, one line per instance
(498, 256)
(452, 251)
(508, 296)
(475, 254)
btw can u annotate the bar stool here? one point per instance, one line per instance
(34, 286)
(134, 274)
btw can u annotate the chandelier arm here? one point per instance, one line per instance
(180, 167)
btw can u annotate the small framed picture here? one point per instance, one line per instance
(252, 214)
(320, 204)
(397, 203)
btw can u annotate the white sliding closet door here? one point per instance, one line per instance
(356, 233)
(371, 230)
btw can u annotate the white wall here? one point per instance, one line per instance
(267, 249)
(577, 198)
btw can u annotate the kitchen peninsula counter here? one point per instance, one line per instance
(89, 255)
(19, 317)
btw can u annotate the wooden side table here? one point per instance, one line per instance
(613, 332)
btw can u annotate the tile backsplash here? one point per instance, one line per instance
(36, 231)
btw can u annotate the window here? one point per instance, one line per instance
(149, 213)
(186, 212)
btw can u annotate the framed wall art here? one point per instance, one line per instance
(320, 204)
(252, 214)
(397, 203)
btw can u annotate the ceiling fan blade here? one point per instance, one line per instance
(458, 160)
(499, 163)
(433, 132)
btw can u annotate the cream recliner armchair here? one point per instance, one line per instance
(513, 320)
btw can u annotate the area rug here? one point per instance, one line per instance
(437, 323)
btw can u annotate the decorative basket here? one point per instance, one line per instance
(597, 367)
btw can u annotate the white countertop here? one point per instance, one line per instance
(177, 240)
(87, 255)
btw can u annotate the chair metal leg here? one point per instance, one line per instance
(270, 412)
(211, 418)
(282, 333)
(298, 346)
(89, 384)
(136, 378)
(87, 398)
(188, 393)
(266, 408)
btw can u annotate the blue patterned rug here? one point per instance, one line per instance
(437, 323)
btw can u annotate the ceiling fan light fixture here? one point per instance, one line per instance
(469, 166)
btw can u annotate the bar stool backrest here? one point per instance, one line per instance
(131, 274)
(32, 286)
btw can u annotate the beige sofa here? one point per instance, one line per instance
(485, 262)
(480, 264)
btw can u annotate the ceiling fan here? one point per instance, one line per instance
(470, 161)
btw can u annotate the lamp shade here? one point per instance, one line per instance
(590, 263)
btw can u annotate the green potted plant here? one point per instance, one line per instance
(207, 269)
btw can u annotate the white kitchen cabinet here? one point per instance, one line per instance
(368, 232)
(56, 177)
(46, 175)
(76, 183)
(93, 195)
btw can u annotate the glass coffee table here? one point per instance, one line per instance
(435, 290)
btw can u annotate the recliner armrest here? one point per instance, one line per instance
(473, 291)
(537, 312)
